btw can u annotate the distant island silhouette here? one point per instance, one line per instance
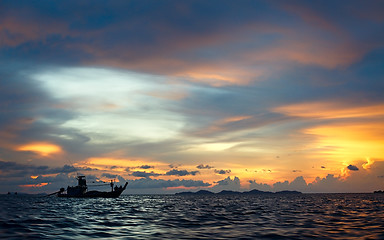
(229, 192)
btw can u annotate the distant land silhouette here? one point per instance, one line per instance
(229, 192)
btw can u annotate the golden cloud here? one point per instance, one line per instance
(41, 148)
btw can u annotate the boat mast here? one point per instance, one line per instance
(112, 185)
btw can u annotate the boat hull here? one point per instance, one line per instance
(95, 194)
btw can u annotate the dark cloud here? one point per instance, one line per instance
(144, 174)
(229, 181)
(202, 166)
(222, 171)
(25, 106)
(259, 186)
(121, 179)
(296, 170)
(160, 183)
(12, 169)
(146, 167)
(353, 168)
(174, 165)
(181, 172)
(108, 175)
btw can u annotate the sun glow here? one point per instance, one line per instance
(42, 148)
(348, 144)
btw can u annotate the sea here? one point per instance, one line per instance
(291, 216)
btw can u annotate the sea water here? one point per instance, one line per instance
(302, 216)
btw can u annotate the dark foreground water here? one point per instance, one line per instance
(307, 216)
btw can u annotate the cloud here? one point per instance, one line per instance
(181, 172)
(146, 167)
(202, 166)
(160, 183)
(227, 184)
(173, 45)
(144, 174)
(353, 168)
(222, 171)
(174, 165)
(331, 110)
(108, 175)
(13, 169)
(259, 186)
(15, 176)
(228, 181)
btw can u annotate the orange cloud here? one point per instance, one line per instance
(181, 188)
(168, 95)
(309, 52)
(351, 141)
(235, 119)
(350, 134)
(342, 144)
(311, 17)
(368, 164)
(219, 125)
(121, 163)
(10, 132)
(33, 185)
(330, 110)
(19, 31)
(42, 148)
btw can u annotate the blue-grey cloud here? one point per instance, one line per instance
(160, 183)
(353, 168)
(13, 169)
(202, 166)
(222, 171)
(181, 172)
(144, 174)
(229, 181)
(146, 167)
(108, 175)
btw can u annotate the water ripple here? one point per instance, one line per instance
(307, 216)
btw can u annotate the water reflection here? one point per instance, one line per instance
(307, 216)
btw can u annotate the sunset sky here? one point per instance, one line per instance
(187, 95)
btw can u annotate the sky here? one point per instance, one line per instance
(186, 95)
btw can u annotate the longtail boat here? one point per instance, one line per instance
(81, 191)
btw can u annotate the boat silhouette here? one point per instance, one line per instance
(81, 190)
